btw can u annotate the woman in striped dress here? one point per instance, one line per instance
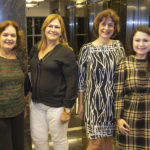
(132, 87)
(97, 62)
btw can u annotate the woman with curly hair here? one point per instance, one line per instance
(12, 101)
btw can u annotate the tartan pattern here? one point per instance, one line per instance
(96, 78)
(132, 103)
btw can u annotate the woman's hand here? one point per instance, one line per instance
(123, 126)
(81, 111)
(65, 117)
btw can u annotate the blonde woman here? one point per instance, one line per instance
(54, 85)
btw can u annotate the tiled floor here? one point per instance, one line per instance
(76, 135)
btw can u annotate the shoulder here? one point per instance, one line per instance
(130, 59)
(35, 47)
(117, 43)
(64, 51)
(125, 61)
(33, 50)
(118, 46)
(86, 47)
(22, 54)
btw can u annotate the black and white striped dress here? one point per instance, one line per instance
(96, 80)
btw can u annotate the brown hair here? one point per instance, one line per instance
(146, 30)
(63, 38)
(108, 13)
(19, 33)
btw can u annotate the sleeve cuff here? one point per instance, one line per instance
(69, 103)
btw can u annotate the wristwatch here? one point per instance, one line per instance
(67, 110)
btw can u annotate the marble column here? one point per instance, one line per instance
(13, 10)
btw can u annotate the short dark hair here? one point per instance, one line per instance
(108, 13)
(140, 28)
(146, 30)
(19, 32)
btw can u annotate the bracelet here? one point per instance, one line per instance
(67, 110)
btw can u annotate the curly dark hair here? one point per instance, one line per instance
(143, 29)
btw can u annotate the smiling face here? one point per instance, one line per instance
(141, 44)
(8, 38)
(106, 28)
(53, 31)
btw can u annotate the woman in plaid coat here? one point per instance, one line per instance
(132, 87)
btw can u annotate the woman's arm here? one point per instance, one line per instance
(70, 73)
(81, 105)
(120, 76)
(82, 63)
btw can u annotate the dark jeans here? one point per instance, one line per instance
(12, 133)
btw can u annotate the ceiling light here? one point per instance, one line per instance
(80, 1)
(38, 0)
(30, 5)
(28, 1)
(79, 6)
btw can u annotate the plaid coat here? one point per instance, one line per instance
(132, 103)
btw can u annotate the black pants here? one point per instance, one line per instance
(12, 133)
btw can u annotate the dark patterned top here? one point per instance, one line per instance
(11, 88)
(132, 103)
(96, 80)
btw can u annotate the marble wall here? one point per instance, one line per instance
(13, 10)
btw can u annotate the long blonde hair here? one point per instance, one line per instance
(63, 39)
